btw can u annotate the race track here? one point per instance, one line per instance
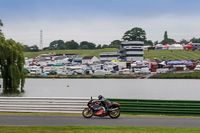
(10, 120)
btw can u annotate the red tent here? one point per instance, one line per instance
(189, 47)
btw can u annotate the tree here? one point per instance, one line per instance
(12, 66)
(148, 42)
(104, 46)
(89, 45)
(167, 40)
(156, 42)
(165, 36)
(115, 44)
(195, 40)
(99, 46)
(135, 34)
(25, 48)
(1, 24)
(33, 48)
(184, 41)
(84, 47)
(72, 44)
(57, 44)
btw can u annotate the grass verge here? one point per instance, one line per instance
(94, 129)
(191, 75)
(151, 54)
(79, 114)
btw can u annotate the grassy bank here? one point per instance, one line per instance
(87, 76)
(94, 129)
(151, 54)
(172, 54)
(191, 75)
(81, 53)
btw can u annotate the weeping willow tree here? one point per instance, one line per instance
(1, 24)
(12, 65)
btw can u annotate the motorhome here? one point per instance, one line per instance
(71, 70)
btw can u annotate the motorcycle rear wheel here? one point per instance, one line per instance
(87, 113)
(114, 114)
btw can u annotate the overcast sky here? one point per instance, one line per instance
(98, 21)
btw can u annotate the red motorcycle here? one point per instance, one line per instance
(95, 108)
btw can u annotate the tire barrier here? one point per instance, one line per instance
(43, 104)
(159, 107)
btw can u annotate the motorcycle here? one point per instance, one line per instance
(95, 108)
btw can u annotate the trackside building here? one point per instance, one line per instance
(129, 51)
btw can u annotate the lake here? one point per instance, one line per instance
(169, 89)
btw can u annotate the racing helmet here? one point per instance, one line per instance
(100, 97)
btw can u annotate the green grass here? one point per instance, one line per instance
(80, 115)
(190, 75)
(151, 54)
(94, 129)
(81, 53)
(172, 54)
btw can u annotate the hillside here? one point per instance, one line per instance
(81, 53)
(151, 54)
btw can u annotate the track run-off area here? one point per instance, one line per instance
(14, 120)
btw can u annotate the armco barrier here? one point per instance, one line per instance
(43, 104)
(76, 105)
(159, 107)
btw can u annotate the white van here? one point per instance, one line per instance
(145, 70)
(126, 71)
(137, 70)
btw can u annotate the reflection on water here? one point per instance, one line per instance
(114, 88)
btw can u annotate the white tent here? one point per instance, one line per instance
(175, 47)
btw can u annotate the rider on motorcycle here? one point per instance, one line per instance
(104, 102)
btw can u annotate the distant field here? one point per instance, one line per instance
(151, 54)
(81, 53)
(173, 55)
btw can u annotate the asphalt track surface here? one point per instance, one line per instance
(11, 120)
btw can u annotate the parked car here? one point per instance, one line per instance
(52, 73)
(126, 71)
(162, 70)
(197, 68)
(108, 72)
(171, 68)
(99, 72)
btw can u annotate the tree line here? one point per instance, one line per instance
(135, 34)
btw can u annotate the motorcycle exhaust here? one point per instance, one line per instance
(113, 109)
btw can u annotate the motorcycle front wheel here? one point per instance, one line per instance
(87, 113)
(114, 113)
